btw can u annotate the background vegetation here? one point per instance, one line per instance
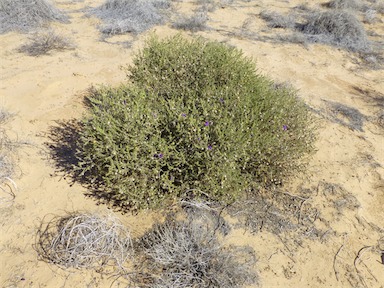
(26, 15)
(133, 16)
(44, 42)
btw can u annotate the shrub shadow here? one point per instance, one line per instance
(62, 147)
(342, 114)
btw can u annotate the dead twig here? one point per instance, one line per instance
(357, 258)
(334, 262)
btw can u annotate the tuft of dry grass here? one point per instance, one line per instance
(27, 15)
(194, 23)
(7, 166)
(84, 241)
(44, 42)
(130, 16)
(189, 253)
(276, 20)
(337, 27)
(344, 4)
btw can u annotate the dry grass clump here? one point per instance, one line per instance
(370, 16)
(26, 15)
(337, 27)
(130, 16)
(185, 254)
(45, 42)
(84, 241)
(6, 147)
(194, 23)
(344, 4)
(189, 253)
(276, 20)
(7, 166)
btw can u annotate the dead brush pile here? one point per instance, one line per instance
(84, 241)
(338, 27)
(190, 253)
(27, 15)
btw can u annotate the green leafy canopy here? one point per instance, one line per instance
(195, 117)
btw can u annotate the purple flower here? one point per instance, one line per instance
(207, 123)
(184, 115)
(209, 147)
(160, 155)
(285, 127)
(221, 100)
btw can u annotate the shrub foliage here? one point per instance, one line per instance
(198, 117)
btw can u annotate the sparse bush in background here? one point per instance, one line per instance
(199, 118)
(372, 59)
(370, 16)
(183, 254)
(379, 7)
(6, 147)
(206, 6)
(43, 43)
(276, 20)
(84, 241)
(340, 28)
(26, 15)
(196, 22)
(344, 4)
(130, 16)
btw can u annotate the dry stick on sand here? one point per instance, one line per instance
(334, 262)
(10, 194)
(357, 258)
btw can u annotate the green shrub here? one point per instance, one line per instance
(197, 118)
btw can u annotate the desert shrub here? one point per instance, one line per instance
(370, 16)
(7, 162)
(340, 28)
(206, 6)
(44, 42)
(6, 148)
(379, 7)
(276, 20)
(199, 119)
(133, 16)
(344, 4)
(196, 22)
(26, 15)
(84, 241)
(184, 254)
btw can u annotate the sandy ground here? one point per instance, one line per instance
(347, 168)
